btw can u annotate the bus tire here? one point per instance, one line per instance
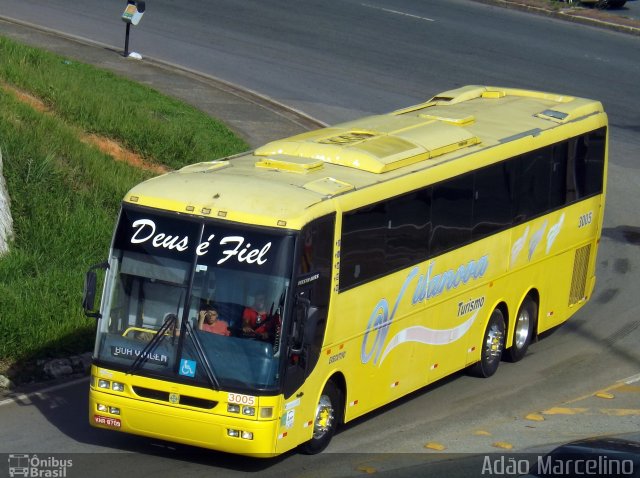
(523, 330)
(328, 415)
(491, 348)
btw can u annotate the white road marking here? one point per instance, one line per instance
(396, 12)
(632, 379)
(26, 397)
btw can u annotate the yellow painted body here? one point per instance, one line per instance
(428, 333)
(412, 365)
(191, 425)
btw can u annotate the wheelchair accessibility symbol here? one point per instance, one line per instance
(188, 368)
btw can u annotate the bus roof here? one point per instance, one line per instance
(277, 183)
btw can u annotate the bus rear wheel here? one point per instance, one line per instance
(328, 415)
(523, 330)
(492, 346)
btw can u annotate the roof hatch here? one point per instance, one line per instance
(396, 142)
(328, 187)
(291, 164)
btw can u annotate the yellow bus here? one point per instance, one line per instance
(346, 267)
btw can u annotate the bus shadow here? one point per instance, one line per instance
(625, 234)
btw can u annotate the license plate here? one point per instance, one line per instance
(107, 421)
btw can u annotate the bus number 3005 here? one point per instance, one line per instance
(585, 219)
(241, 399)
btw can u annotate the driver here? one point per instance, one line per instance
(256, 321)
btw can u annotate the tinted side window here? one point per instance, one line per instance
(363, 244)
(532, 177)
(402, 231)
(409, 229)
(560, 192)
(493, 200)
(586, 155)
(316, 254)
(451, 213)
(385, 237)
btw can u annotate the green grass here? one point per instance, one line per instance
(65, 194)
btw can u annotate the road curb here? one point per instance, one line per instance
(299, 119)
(567, 14)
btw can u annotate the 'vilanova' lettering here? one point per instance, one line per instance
(429, 287)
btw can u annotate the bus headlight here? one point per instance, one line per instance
(239, 434)
(117, 386)
(247, 410)
(233, 408)
(101, 407)
(103, 383)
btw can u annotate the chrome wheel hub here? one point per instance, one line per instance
(493, 344)
(522, 329)
(325, 416)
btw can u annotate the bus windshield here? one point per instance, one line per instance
(194, 301)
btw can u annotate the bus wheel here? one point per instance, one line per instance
(523, 331)
(492, 346)
(328, 414)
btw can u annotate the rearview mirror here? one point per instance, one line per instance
(304, 326)
(89, 293)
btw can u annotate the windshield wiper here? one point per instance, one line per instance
(169, 322)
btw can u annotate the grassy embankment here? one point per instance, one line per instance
(65, 192)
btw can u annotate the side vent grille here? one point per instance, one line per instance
(579, 279)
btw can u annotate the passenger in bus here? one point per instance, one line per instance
(174, 325)
(209, 321)
(146, 335)
(257, 322)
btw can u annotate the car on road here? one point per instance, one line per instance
(597, 456)
(602, 4)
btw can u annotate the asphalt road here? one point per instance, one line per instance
(631, 9)
(337, 60)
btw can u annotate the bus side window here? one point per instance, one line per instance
(451, 212)
(589, 163)
(408, 229)
(533, 173)
(560, 190)
(363, 245)
(493, 200)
